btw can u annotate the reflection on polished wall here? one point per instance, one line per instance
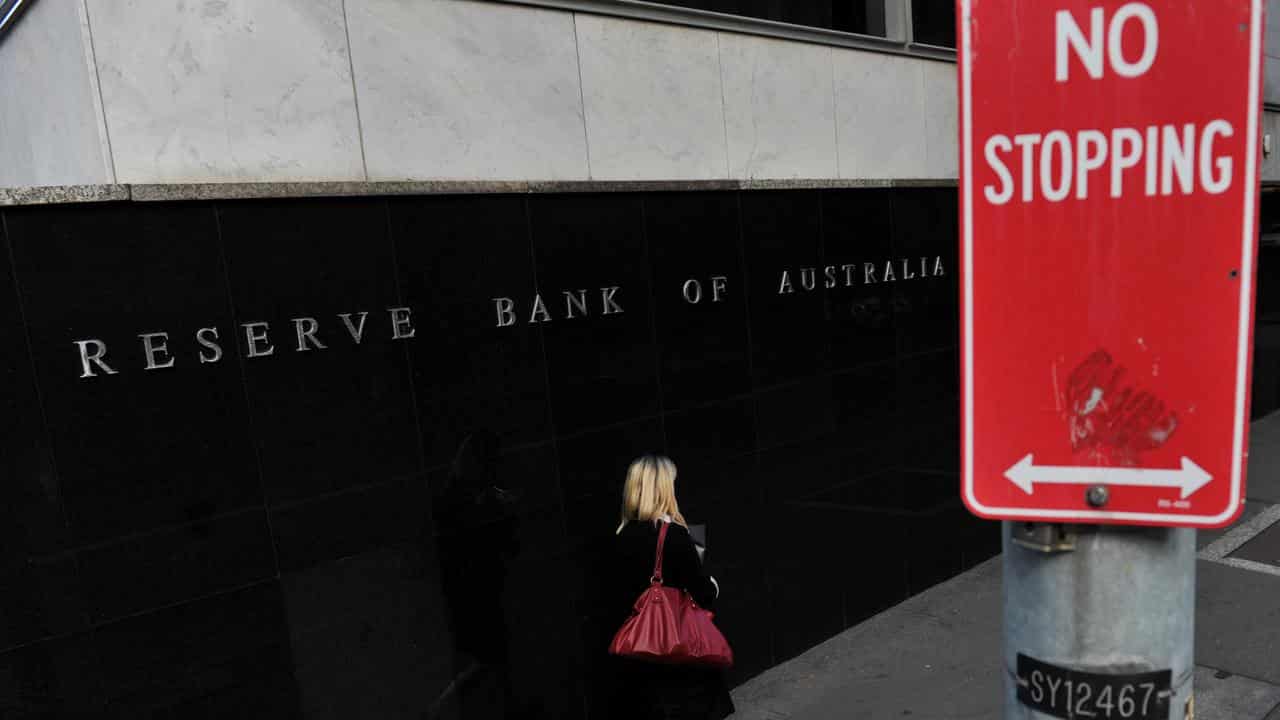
(400, 514)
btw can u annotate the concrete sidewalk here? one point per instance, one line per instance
(937, 655)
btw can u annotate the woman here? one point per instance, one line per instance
(647, 691)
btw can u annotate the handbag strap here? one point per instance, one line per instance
(656, 578)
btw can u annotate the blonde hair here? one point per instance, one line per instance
(649, 492)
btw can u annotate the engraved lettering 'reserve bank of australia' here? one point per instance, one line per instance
(305, 334)
(850, 274)
(257, 341)
(574, 304)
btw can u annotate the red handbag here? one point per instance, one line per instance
(667, 626)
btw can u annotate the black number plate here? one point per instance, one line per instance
(1076, 695)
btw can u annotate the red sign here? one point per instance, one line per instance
(1109, 211)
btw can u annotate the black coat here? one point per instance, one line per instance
(645, 691)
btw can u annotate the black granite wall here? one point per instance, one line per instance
(408, 528)
(1265, 390)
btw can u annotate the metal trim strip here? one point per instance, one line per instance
(673, 15)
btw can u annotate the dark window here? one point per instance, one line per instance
(865, 17)
(933, 22)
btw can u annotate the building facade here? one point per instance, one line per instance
(332, 325)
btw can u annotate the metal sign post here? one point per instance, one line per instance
(1109, 185)
(1102, 630)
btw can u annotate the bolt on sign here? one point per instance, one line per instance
(1109, 188)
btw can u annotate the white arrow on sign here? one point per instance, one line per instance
(1190, 478)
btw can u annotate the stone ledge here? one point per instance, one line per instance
(62, 194)
(58, 194)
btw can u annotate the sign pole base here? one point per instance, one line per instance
(1106, 616)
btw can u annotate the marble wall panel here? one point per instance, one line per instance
(602, 365)
(467, 90)
(752, 644)
(175, 565)
(334, 409)
(58, 677)
(652, 95)
(448, 89)
(782, 247)
(480, 377)
(227, 655)
(39, 593)
(595, 463)
(941, 112)
(700, 297)
(49, 105)
(880, 115)
(857, 241)
(226, 92)
(357, 630)
(926, 293)
(779, 108)
(111, 273)
(865, 403)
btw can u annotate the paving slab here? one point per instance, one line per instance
(1263, 548)
(1249, 527)
(933, 657)
(1251, 510)
(936, 656)
(1223, 696)
(1238, 621)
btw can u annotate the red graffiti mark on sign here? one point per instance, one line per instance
(1112, 420)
